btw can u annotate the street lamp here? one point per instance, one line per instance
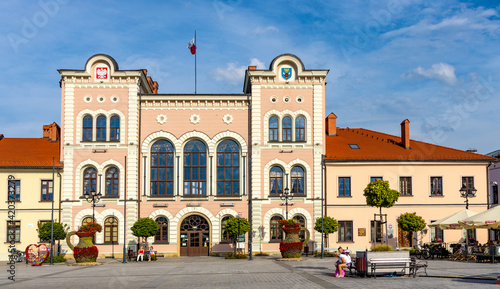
(286, 195)
(467, 193)
(92, 198)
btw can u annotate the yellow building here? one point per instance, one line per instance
(429, 178)
(26, 172)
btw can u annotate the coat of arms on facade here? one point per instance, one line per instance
(101, 73)
(286, 73)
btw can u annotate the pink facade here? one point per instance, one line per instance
(191, 161)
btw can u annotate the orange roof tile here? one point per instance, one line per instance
(28, 152)
(377, 146)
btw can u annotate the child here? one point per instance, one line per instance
(151, 253)
(141, 254)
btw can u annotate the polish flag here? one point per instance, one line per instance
(191, 46)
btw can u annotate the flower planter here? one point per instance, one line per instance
(84, 251)
(292, 247)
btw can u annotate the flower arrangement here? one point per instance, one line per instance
(291, 250)
(437, 240)
(289, 226)
(289, 223)
(90, 227)
(85, 254)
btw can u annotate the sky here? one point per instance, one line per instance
(435, 63)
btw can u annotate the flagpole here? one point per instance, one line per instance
(195, 63)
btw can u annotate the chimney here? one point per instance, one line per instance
(331, 125)
(405, 133)
(252, 68)
(1, 136)
(51, 132)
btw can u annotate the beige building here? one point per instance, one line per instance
(428, 177)
(26, 169)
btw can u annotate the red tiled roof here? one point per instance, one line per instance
(377, 146)
(28, 152)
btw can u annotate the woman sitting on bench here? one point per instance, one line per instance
(344, 262)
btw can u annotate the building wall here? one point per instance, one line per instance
(30, 210)
(429, 207)
(147, 117)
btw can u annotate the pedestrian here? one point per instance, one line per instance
(141, 254)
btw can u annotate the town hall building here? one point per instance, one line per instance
(191, 161)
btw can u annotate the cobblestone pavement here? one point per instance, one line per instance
(216, 272)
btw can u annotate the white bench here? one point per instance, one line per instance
(393, 263)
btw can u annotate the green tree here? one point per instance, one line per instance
(144, 227)
(379, 194)
(237, 226)
(410, 222)
(44, 231)
(330, 225)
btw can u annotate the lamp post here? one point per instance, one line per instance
(93, 198)
(467, 193)
(286, 195)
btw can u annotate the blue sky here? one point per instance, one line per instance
(433, 62)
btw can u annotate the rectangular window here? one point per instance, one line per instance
(405, 186)
(47, 188)
(345, 231)
(13, 231)
(344, 186)
(14, 190)
(373, 179)
(468, 183)
(495, 194)
(376, 231)
(436, 186)
(436, 233)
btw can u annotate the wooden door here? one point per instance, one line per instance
(195, 236)
(403, 238)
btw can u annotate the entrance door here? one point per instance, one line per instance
(195, 236)
(403, 238)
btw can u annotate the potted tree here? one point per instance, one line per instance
(144, 228)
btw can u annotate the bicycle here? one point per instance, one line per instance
(422, 252)
(18, 256)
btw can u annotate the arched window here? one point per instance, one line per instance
(87, 128)
(101, 128)
(224, 237)
(111, 231)
(162, 168)
(114, 128)
(297, 176)
(302, 222)
(273, 128)
(276, 180)
(287, 128)
(276, 231)
(89, 180)
(300, 129)
(162, 233)
(87, 220)
(228, 168)
(112, 179)
(195, 168)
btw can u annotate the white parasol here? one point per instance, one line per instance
(489, 219)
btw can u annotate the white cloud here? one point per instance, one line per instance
(440, 71)
(233, 73)
(262, 30)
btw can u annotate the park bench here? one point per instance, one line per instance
(392, 263)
